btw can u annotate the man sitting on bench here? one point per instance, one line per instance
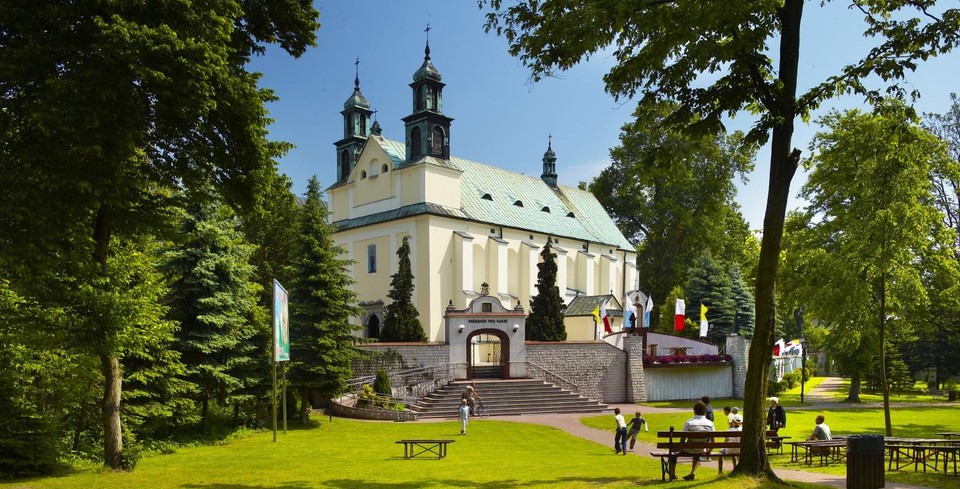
(698, 422)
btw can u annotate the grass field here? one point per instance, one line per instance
(908, 422)
(356, 454)
(342, 453)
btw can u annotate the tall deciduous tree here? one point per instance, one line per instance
(106, 102)
(873, 234)
(321, 343)
(673, 194)
(715, 60)
(213, 297)
(545, 321)
(401, 321)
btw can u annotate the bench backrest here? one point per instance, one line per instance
(704, 439)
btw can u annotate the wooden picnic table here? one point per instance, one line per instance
(834, 450)
(415, 448)
(922, 453)
(949, 434)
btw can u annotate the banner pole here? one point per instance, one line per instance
(283, 370)
(274, 401)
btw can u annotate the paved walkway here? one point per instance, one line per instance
(571, 424)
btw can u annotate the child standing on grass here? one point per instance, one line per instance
(464, 416)
(634, 426)
(620, 439)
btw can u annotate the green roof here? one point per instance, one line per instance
(583, 305)
(504, 198)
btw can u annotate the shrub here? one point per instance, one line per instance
(382, 383)
(774, 387)
(790, 380)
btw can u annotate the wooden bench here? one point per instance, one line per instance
(703, 441)
(415, 448)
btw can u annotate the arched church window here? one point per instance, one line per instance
(384, 168)
(363, 125)
(373, 327)
(436, 146)
(432, 98)
(363, 174)
(419, 101)
(344, 164)
(415, 144)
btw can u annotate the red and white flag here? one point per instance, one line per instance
(678, 317)
(605, 316)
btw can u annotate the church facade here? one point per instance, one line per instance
(474, 230)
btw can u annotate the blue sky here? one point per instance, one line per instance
(500, 117)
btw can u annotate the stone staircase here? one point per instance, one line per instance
(507, 397)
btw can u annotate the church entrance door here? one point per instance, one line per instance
(485, 358)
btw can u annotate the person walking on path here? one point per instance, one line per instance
(776, 417)
(635, 425)
(620, 439)
(464, 416)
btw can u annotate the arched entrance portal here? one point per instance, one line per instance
(486, 358)
(486, 340)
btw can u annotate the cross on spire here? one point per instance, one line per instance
(356, 78)
(426, 50)
(549, 140)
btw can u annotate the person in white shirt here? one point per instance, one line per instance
(822, 431)
(736, 424)
(620, 439)
(698, 422)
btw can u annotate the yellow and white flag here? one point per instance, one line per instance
(703, 320)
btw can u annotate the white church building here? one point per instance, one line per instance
(475, 230)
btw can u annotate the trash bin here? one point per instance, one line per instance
(865, 462)
(952, 396)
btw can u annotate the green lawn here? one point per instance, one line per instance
(908, 422)
(357, 454)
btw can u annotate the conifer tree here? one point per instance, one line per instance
(322, 303)
(401, 322)
(709, 284)
(214, 298)
(545, 322)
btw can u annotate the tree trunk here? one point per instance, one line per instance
(304, 405)
(854, 394)
(783, 165)
(109, 361)
(884, 386)
(112, 440)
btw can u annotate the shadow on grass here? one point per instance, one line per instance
(501, 484)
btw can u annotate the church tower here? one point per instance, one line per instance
(427, 129)
(549, 174)
(356, 126)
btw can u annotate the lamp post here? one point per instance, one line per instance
(798, 317)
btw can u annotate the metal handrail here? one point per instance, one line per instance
(409, 385)
(566, 384)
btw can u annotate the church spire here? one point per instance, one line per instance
(356, 126)
(549, 164)
(427, 129)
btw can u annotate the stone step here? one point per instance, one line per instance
(507, 397)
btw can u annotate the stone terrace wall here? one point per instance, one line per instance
(600, 369)
(393, 357)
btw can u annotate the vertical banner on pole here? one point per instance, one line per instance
(281, 324)
(281, 348)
